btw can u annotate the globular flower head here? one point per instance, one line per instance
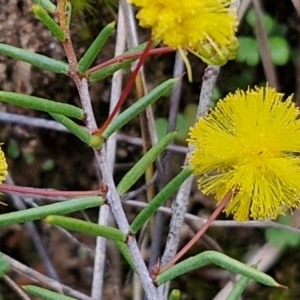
(250, 144)
(3, 166)
(203, 27)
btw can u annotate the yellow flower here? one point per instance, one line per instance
(3, 166)
(203, 27)
(250, 143)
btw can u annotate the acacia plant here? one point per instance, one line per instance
(223, 146)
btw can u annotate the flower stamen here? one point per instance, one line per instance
(251, 141)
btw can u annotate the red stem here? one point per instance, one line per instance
(198, 235)
(126, 90)
(124, 57)
(46, 192)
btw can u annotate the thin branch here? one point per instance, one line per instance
(46, 281)
(244, 6)
(105, 168)
(176, 93)
(138, 142)
(208, 242)
(200, 232)
(227, 223)
(53, 125)
(15, 287)
(296, 4)
(164, 174)
(6, 117)
(265, 257)
(264, 47)
(138, 191)
(149, 134)
(113, 197)
(120, 217)
(104, 212)
(9, 188)
(125, 57)
(181, 201)
(18, 203)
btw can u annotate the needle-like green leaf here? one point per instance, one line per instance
(219, 259)
(49, 22)
(142, 165)
(87, 227)
(4, 265)
(59, 208)
(93, 51)
(160, 199)
(45, 294)
(109, 70)
(37, 60)
(42, 104)
(238, 288)
(46, 4)
(138, 107)
(91, 140)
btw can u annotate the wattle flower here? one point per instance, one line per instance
(204, 27)
(250, 144)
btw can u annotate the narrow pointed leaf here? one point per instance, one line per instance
(42, 104)
(4, 265)
(49, 22)
(93, 51)
(69, 13)
(219, 259)
(238, 288)
(59, 208)
(81, 133)
(45, 294)
(46, 4)
(142, 165)
(87, 228)
(109, 70)
(138, 107)
(160, 199)
(37, 60)
(125, 252)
